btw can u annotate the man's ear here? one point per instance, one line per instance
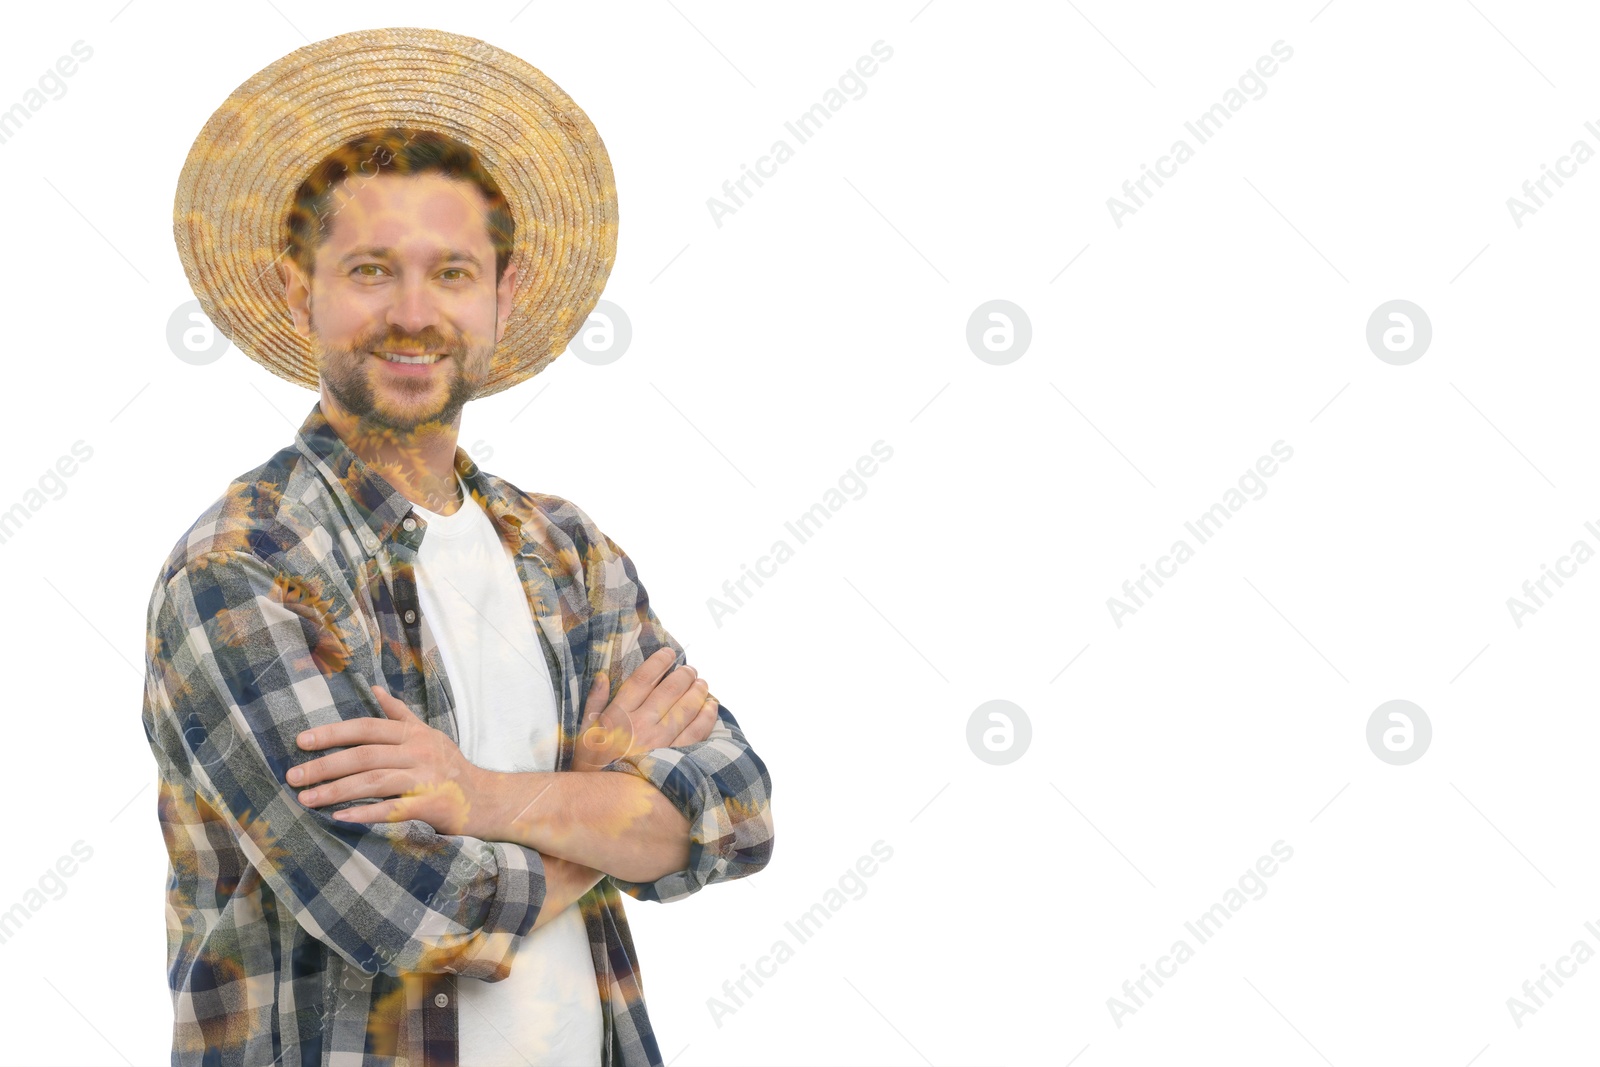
(505, 293)
(297, 293)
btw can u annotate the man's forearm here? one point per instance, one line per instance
(564, 883)
(610, 821)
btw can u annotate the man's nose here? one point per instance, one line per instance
(415, 307)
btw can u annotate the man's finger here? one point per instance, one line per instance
(701, 726)
(338, 765)
(376, 783)
(363, 731)
(366, 813)
(644, 678)
(654, 707)
(683, 709)
(393, 706)
(597, 698)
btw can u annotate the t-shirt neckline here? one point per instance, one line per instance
(459, 517)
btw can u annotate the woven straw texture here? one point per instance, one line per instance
(236, 187)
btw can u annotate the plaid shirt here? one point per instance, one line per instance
(294, 938)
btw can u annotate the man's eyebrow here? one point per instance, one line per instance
(376, 252)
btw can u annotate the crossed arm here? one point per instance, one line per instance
(585, 825)
(240, 667)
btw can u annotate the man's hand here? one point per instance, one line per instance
(400, 756)
(649, 711)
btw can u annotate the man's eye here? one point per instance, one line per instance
(461, 272)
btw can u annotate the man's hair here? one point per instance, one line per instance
(396, 150)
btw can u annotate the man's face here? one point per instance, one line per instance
(408, 269)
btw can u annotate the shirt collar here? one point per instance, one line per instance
(376, 509)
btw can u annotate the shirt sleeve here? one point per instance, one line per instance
(241, 658)
(720, 785)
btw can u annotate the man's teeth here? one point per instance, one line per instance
(395, 357)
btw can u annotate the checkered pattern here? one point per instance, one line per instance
(295, 938)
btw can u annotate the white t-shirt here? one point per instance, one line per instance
(547, 1011)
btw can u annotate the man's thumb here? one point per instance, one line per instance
(597, 697)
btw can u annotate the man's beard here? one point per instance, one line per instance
(346, 375)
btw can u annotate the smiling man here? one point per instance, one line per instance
(378, 678)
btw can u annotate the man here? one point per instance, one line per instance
(389, 833)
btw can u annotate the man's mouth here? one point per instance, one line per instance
(405, 358)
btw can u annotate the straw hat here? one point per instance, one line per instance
(238, 182)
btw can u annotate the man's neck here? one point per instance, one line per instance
(420, 463)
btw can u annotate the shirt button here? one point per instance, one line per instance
(410, 524)
(369, 539)
(440, 1000)
(411, 616)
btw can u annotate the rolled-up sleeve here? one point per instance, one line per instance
(720, 785)
(242, 657)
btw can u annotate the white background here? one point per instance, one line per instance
(830, 312)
